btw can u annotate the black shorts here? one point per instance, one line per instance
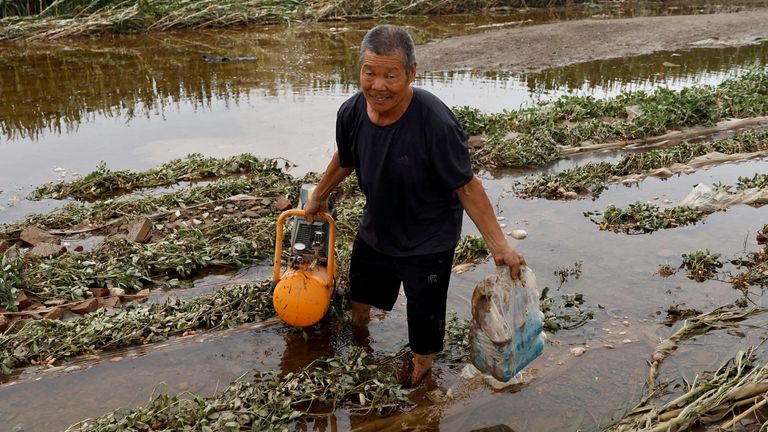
(375, 280)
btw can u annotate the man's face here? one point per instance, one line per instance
(385, 81)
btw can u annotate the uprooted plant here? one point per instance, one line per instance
(565, 312)
(701, 265)
(471, 249)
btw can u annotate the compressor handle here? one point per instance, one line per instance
(279, 240)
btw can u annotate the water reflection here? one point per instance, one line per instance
(57, 87)
(60, 87)
(672, 69)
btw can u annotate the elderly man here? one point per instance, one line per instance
(412, 163)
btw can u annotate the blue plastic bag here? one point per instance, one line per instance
(507, 325)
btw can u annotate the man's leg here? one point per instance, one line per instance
(425, 279)
(373, 282)
(361, 313)
(422, 365)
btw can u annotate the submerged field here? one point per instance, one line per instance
(653, 299)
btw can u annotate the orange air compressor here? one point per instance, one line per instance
(302, 293)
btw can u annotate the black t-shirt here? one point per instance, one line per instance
(409, 172)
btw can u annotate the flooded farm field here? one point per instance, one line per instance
(138, 102)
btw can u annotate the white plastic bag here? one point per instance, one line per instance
(709, 200)
(507, 324)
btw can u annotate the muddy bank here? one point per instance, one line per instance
(534, 48)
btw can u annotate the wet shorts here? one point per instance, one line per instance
(375, 280)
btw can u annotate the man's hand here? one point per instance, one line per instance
(318, 200)
(313, 207)
(509, 256)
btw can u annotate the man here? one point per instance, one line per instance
(412, 163)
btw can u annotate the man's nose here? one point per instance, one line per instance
(378, 84)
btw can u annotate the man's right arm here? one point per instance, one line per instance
(333, 175)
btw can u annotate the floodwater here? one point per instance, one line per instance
(135, 102)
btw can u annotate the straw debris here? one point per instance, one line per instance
(722, 398)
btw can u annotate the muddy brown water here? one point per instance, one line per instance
(135, 102)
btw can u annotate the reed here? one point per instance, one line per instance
(56, 19)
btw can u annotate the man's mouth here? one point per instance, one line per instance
(379, 99)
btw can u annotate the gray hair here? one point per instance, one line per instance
(387, 40)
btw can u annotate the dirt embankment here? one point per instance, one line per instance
(544, 46)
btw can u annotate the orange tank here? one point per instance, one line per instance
(303, 293)
(302, 297)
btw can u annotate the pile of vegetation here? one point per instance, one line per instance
(55, 19)
(47, 341)
(724, 398)
(104, 183)
(641, 217)
(119, 263)
(701, 265)
(266, 402)
(592, 179)
(360, 382)
(174, 253)
(535, 136)
(267, 183)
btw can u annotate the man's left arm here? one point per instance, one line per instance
(477, 205)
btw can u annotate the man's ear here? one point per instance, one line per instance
(412, 73)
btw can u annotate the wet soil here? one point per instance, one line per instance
(534, 48)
